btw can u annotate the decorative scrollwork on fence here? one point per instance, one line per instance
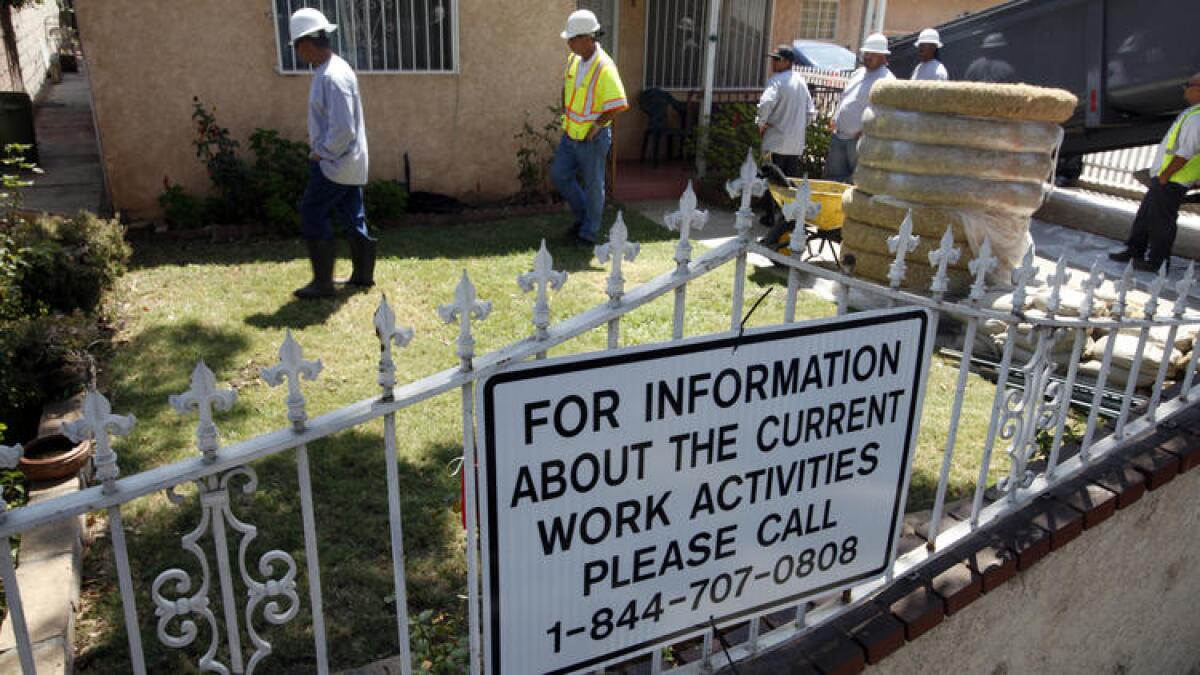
(275, 587)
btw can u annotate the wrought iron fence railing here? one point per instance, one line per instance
(1028, 413)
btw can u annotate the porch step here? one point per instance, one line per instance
(640, 181)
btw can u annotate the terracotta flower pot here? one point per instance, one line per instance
(54, 457)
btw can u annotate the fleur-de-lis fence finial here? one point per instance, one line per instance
(1156, 288)
(801, 207)
(292, 367)
(945, 255)
(683, 221)
(980, 268)
(10, 457)
(465, 308)
(98, 422)
(618, 247)
(747, 185)
(388, 334)
(902, 243)
(202, 397)
(1183, 288)
(1058, 280)
(1022, 277)
(1090, 285)
(542, 277)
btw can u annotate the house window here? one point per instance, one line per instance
(675, 40)
(818, 19)
(381, 36)
(606, 14)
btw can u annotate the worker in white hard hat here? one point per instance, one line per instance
(930, 66)
(592, 96)
(848, 117)
(337, 138)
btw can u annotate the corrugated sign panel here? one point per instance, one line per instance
(627, 497)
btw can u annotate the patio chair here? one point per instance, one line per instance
(657, 104)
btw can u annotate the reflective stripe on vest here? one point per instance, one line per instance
(579, 103)
(1190, 173)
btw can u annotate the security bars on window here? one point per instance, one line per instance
(381, 36)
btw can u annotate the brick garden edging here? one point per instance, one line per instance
(983, 561)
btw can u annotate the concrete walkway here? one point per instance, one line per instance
(69, 153)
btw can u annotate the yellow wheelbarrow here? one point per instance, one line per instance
(825, 226)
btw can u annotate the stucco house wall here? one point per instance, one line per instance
(36, 43)
(458, 129)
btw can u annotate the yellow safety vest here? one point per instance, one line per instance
(1190, 173)
(599, 91)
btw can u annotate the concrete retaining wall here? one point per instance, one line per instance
(1120, 599)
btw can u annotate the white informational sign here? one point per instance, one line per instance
(634, 497)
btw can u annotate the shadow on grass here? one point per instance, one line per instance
(351, 512)
(297, 313)
(158, 363)
(452, 241)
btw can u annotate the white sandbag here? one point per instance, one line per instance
(977, 99)
(873, 239)
(945, 160)
(1000, 196)
(881, 121)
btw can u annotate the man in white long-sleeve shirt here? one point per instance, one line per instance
(783, 112)
(848, 118)
(337, 136)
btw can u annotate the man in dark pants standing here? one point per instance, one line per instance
(592, 96)
(1175, 169)
(337, 136)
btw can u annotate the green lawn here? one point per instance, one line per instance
(230, 303)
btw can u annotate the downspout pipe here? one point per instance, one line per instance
(710, 67)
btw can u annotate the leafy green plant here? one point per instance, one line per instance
(535, 150)
(216, 147)
(816, 147)
(439, 644)
(385, 200)
(61, 265)
(277, 180)
(725, 139)
(181, 209)
(46, 358)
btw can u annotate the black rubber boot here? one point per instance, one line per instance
(321, 254)
(362, 255)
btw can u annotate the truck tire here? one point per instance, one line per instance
(944, 160)
(977, 99)
(967, 132)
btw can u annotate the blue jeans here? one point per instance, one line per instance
(575, 160)
(322, 197)
(842, 158)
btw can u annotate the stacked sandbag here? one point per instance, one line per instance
(992, 334)
(972, 156)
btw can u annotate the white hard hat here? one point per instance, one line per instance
(306, 21)
(930, 36)
(876, 43)
(581, 22)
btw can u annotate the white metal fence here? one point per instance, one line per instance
(278, 589)
(1115, 168)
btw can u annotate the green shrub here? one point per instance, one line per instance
(439, 644)
(183, 210)
(385, 199)
(60, 265)
(277, 180)
(46, 358)
(535, 150)
(725, 140)
(816, 147)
